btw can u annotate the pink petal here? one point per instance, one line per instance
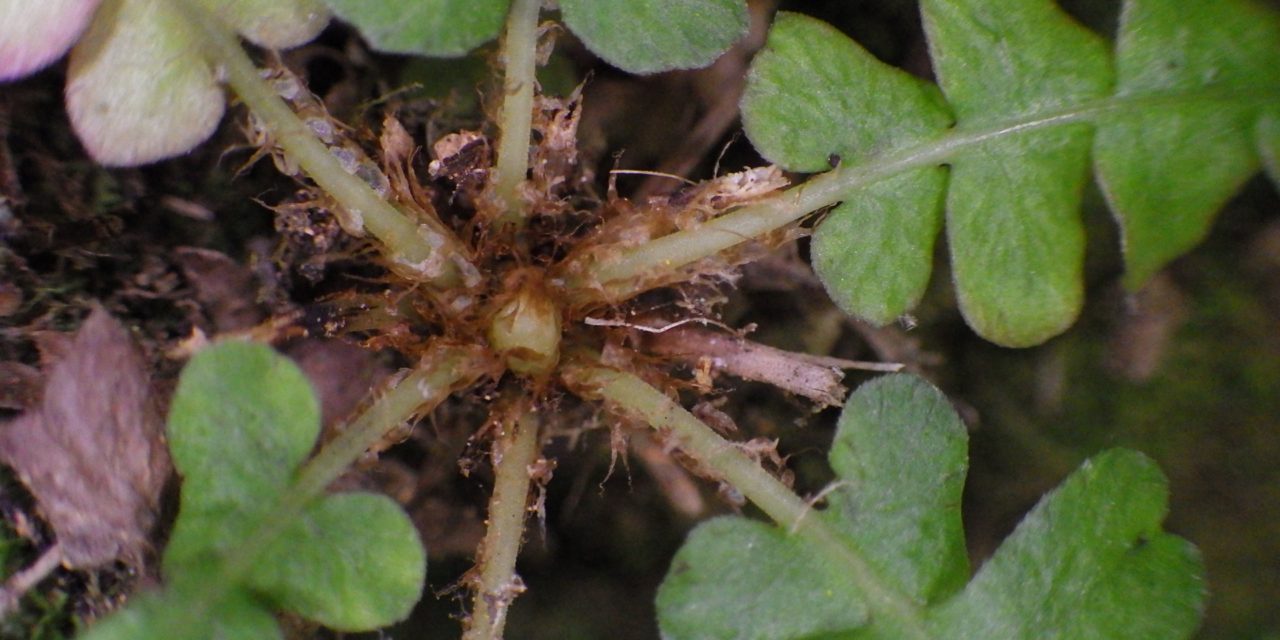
(34, 33)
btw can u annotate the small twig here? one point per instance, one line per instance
(841, 363)
(656, 174)
(23, 581)
(819, 497)
(605, 322)
(815, 377)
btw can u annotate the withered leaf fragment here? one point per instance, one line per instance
(92, 452)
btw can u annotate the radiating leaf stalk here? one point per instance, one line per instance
(1193, 85)
(423, 250)
(443, 370)
(636, 398)
(624, 275)
(515, 450)
(519, 56)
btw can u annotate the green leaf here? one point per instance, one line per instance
(812, 93)
(1269, 145)
(242, 420)
(813, 96)
(1167, 169)
(1017, 250)
(164, 617)
(272, 23)
(1089, 561)
(647, 36)
(899, 455)
(137, 91)
(243, 417)
(1197, 104)
(738, 578)
(903, 452)
(447, 28)
(352, 562)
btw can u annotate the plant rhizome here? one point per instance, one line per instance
(526, 307)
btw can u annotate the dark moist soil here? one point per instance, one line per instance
(1187, 371)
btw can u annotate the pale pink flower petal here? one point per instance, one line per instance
(34, 33)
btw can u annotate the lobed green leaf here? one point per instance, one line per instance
(242, 419)
(813, 96)
(647, 36)
(734, 578)
(1017, 251)
(899, 457)
(1167, 169)
(901, 453)
(1090, 561)
(1193, 110)
(352, 562)
(446, 28)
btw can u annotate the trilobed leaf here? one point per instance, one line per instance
(1090, 561)
(243, 419)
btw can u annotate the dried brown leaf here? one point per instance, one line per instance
(222, 286)
(93, 452)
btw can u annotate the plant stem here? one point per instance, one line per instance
(441, 372)
(519, 53)
(631, 271)
(633, 396)
(423, 250)
(514, 451)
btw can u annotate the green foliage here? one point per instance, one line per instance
(1088, 561)
(1168, 168)
(1176, 122)
(425, 27)
(647, 36)
(875, 249)
(242, 420)
(640, 36)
